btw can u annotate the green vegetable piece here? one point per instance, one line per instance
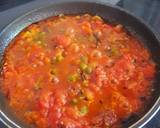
(59, 57)
(43, 33)
(72, 78)
(74, 101)
(39, 39)
(88, 70)
(83, 111)
(97, 18)
(41, 43)
(85, 83)
(83, 66)
(84, 59)
(114, 51)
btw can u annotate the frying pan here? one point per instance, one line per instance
(110, 13)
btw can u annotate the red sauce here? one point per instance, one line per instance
(76, 72)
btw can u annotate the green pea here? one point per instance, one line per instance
(84, 59)
(42, 33)
(83, 66)
(74, 101)
(114, 51)
(88, 70)
(83, 111)
(41, 43)
(72, 78)
(59, 57)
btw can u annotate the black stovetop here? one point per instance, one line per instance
(149, 10)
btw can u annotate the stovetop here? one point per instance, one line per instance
(149, 10)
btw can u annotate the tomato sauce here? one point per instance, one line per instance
(76, 72)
